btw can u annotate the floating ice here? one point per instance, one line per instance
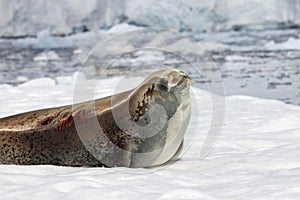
(46, 56)
(290, 44)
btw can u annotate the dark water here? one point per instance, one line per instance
(246, 67)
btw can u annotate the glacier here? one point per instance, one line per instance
(64, 17)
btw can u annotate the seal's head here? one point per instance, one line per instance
(172, 81)
(169, 80)
(160, 110)
(169, 85)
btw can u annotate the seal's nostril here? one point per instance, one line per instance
(181, 81)
(187, 78)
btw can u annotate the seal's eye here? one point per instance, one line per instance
(162, 84)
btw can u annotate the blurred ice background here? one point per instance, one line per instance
(255, 43)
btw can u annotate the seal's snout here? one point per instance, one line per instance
(179, 80)
(187, 78)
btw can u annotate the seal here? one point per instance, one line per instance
(142, 127)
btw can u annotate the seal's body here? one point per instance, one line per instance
(142, 127)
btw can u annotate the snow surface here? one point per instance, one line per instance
(256, 157)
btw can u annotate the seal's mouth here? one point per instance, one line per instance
(188, 78)
(185, 78)
(171, 81)
(179, 81)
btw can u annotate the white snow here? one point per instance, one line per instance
(256, 156)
